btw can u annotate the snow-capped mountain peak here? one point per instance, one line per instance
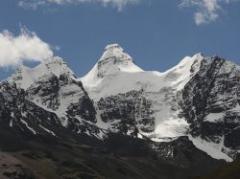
(52, 86)
(26, 76)
(184, 70)
(113, 61)
(58, 66)
(114, 52)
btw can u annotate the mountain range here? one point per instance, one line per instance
(119, 121)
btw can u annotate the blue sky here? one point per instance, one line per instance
(156, 33)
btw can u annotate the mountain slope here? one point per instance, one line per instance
(52, 86)
(149, 98)
(160, 105)
(211, 105)
(183, 119)
(35, 145)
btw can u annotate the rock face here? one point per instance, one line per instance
(53, 87)
(62, 95)
(190, 111)
(23, 116)
(211, 103)
(132, 110)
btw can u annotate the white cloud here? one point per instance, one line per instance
(36, 3)
(27, 46)
(207, 10)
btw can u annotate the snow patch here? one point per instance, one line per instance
(26, 124)
(48, 131)
(214, 117)
(212, 149)
(172, 128)
(236, 108)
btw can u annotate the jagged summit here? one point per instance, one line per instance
(113, 61)
(112, 46)
(114, 52)
(25, 76)
(184, 70)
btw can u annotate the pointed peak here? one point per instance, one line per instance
(113, 61)
(189, 60)
(54, 60)
(58, 66)
(199, 55)
(113, 46)
(115, 52)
